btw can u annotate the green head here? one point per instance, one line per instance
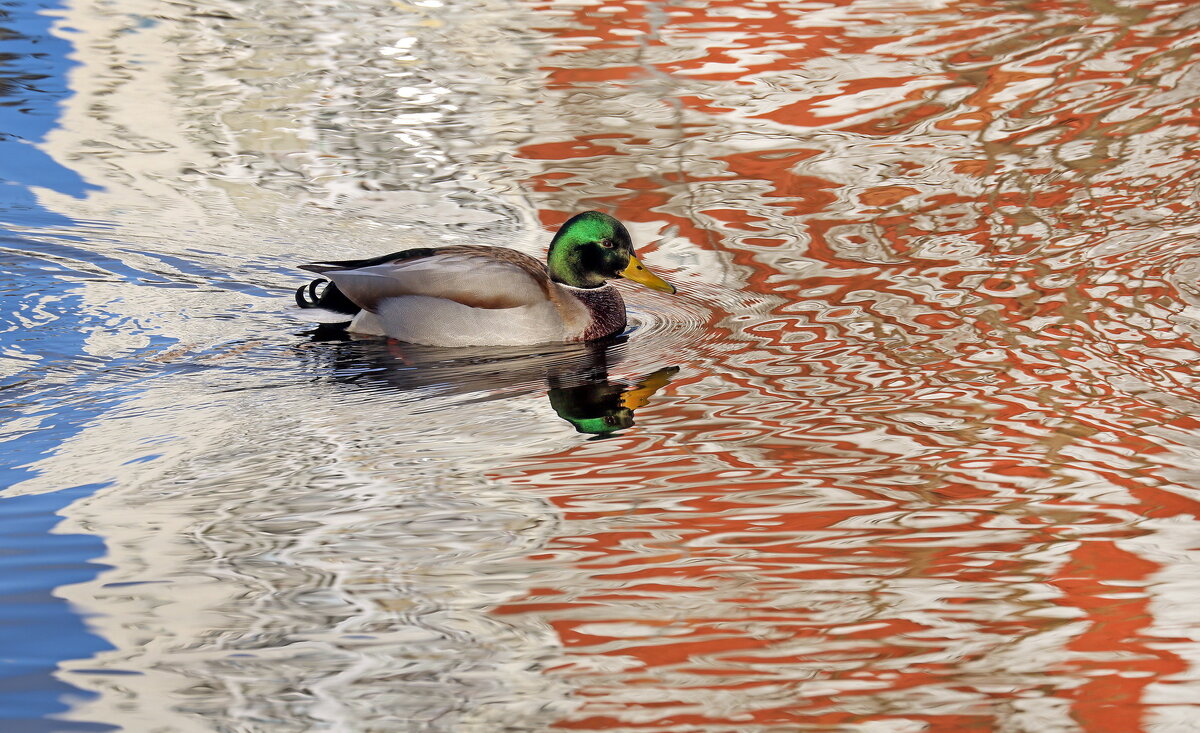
(592, 248)
(601, 407)
(593, 407)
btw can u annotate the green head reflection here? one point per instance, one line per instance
(601, 407)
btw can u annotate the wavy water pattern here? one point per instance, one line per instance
(913, 448)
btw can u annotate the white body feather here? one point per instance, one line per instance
(421, 319)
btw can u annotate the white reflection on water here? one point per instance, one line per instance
(277, 559)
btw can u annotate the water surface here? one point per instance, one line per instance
(914, 448)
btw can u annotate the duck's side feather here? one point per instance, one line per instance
(421, 319)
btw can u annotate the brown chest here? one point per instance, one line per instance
(607, 309)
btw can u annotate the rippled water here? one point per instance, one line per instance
(915, 447)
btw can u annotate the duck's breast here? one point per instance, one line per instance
(605, 310)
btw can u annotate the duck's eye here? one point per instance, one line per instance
(607, 243)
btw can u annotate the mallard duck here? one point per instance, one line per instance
(474, 295)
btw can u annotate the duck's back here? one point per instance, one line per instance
(482, 277)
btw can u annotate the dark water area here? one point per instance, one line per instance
(912, 449)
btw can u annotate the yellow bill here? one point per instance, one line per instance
(651, 383)
(638, 273)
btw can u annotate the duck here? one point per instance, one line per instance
(478, 295)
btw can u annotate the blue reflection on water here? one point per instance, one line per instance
(37, 629)
(33, 82)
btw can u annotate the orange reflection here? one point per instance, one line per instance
(926, 487)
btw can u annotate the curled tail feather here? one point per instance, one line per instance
(328, 298)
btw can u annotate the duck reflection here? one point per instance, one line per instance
(600, 406)
(575, 376)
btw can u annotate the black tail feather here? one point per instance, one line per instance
(306, 295)
(329, 298)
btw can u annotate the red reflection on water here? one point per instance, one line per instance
(934, 485)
